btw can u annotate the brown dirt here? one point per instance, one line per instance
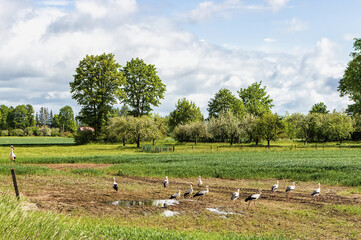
(91, 195)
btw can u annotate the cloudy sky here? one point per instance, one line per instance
(297, 48)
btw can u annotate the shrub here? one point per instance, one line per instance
(84, 137)
(44, 131)
(4, 133)
(55, 132)
(17, 132)
(32, 131)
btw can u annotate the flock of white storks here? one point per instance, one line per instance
(235, 195)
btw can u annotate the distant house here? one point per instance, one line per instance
(86, 128)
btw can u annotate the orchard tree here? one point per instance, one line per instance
(339, 126)
(66, 119)
(158, 128)
(143, 87)
(180, 132)
(197, 130)
(118, 128)
(319, 108)
(350, 84)
(306, 125)
(223, 101)
(226, 126)
(255, 99)
(185, 112)
(96, 87)
(271, 126)
(139, 128)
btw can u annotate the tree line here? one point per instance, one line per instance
(22, 120)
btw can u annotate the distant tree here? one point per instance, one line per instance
(158, 128)
(43, 116)
(223, 101)
(271, 126)
(248, 126)
(180, 132)
(139, 128)
(66, 120)
(319, 108)
(339, 126)
(118, 128)
(185, 112)
(19, 117)
(306, 125)
(350, 84)
(226, 126)
(143, 87)
(96, 87)
(255, 99)
(197, 130)
(4, 110)
(30, 119)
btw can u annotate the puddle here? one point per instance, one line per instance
(221, 211)
(150, 202)
(169, 213)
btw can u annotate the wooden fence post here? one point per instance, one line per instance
(15, 183)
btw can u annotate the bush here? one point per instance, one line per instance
(55, 132)
(44, 131)
(32, 131)
(68, 135)
(4, 133)
(17, 132)
(84, 137)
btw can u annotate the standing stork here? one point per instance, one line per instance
(115, 184)
(275, 187)
(176, 195)
(12, 156)
(202, 192)
(235, 195)
(166, 182)
(254, 198)
(200, 183)
(189, 191)
(317, 191)
(290, 189)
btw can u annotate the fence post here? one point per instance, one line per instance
(15, 183)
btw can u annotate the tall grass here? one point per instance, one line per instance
(327, 166)
(17, 223)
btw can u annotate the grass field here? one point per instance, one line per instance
(70, 187)
(7, 141)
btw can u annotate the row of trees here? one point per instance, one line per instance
(22, 117)
(228, 127)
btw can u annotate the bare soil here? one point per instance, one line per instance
(297, 215)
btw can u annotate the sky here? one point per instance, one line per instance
(299, 49)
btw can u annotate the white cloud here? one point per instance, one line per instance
(42, 61)
(269, 40)
(296, 25)
(277, 5)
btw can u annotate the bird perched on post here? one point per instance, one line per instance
(202, 192)
(317, 191)
(12, 156)
(200, 183)
(275, 187)
(253, 197)
(115, 184)
(176, 195)
(166, 182)
(189, 191)
(235, 195)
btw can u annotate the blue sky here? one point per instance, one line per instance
(298, 49)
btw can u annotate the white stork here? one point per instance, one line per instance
(202, 192)
(166, 182)
(115, 184)
(176, 195)
(253, 197)
(200, 183)
(235, 195)
(275, 187)
(289, 189)
(189, 191)
(12, 156)
(317, 191)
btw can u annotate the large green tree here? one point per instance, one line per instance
(66, 119)
(319, 108)
(255, 99)
(223, 101)
(185, 112)
(96, 87)
(350, 84)
(4, 115)
(144, 88)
